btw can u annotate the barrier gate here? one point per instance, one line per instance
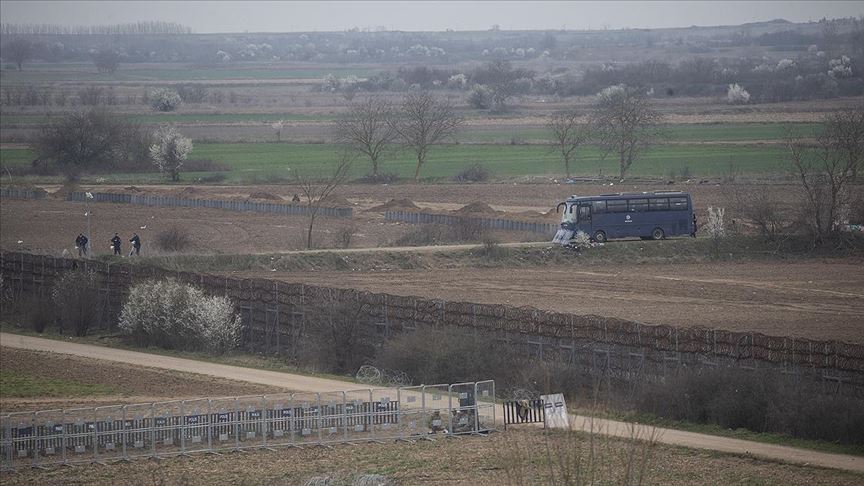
(182, 427)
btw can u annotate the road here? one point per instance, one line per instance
(322, 385)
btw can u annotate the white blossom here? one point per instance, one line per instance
(170, 151)
(736, 95)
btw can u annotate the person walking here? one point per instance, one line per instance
(136, 244)
(115, 244)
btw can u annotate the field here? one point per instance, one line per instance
(34, 380)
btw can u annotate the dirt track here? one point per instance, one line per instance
(817, 300)
(296, 382)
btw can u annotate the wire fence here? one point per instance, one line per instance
(206, 425)
(415, 217)
(279, 318)
(18, 193)
(229, 205)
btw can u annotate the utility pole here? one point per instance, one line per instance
(89, 237)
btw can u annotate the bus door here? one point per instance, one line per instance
(585, 224)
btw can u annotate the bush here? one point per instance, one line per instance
(39, 313)
(480, 97)
(79, 303)
(173, 315)
(192, 93)
(381, 178)
(736, 95)
(493, 251)
(173, 239)
(475, 173)
(164, 99)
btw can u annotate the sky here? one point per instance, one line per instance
(293, 16)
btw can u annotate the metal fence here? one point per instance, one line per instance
(183, 427)
(485, 223)
(229, 205)
(18, 193)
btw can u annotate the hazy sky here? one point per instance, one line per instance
(272, 16)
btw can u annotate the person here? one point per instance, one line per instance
(693, 234)
(83, 248)
(136, 244)
(81, 244)
(296, 198)
(115, 244)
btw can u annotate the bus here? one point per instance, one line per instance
(647, 215)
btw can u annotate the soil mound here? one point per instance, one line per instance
(187, 191)
(476, 207)
(64, 191)
(394, 205)
(264, 195)
(337, 201)
(132, 189)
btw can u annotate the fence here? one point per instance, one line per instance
(485, 223)
(183, 427)
(278, 316)
(229, 205)
(17, 193)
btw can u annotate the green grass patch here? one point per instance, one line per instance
(18, 384)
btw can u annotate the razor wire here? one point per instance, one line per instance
(183, 427)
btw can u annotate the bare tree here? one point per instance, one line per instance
(826, 169)
(568, 135)
(626, 123)
(19, 51)
(317, 190)
(424, 122)
(367, 129)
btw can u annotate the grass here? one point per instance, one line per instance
(157, 118)
(270, 162)
(742, 434)
(23, 385)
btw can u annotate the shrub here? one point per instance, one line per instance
(164, 99)
(493, 251)
(381, 178)
(39, 313)
(173, 315)
(736, 95)
(475, 173)
(191, 93)
(423, 235)
(480, 97)
(79, 303)
(173, 239)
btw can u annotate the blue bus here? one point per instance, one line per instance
(647, 215)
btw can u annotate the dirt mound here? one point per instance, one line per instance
(337, 201)
(269, 196)
(132, 189)
(394, 205)
(476, 207)
(64, 191)
(27, 187)
(187, 191)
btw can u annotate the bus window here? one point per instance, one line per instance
(661, 204)
(617, 206)
(638, 204)
(584, 213)
(678, 203)
(568, 216)
(598, 207)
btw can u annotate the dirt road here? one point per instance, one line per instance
(306, 383)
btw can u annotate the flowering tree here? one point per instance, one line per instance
(278, 127)
(164, 99)
(736, 95)
(174, 315)
(170, 151)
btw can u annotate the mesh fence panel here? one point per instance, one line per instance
(196, 425)
(486, 407)
(50, 438)
(332, 418)
(306, 418)
(79, 435)
(279, 414)
(249, 415)
(223, 423)
(463, 413)
(412, 414)
(109, 432)
(358, 414)
(167, 427)
(384, 413)
(139, 432)
(437, 401)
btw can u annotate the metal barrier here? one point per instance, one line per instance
(182, 427)
(524, 412)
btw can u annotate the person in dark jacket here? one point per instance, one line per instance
(136, 244)
(115, 244)
(81, 244)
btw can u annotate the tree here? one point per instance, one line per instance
(106, 61)
(425, 121)
(367, 129)
(316, 191)
(500, 79)
(90, 139)
(164, 99)
(19, 51)
(625, 123)
(568, 135)
(278, 127)
(826, 169)
(170, 151)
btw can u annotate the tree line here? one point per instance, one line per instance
(133, 28)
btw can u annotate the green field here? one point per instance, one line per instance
(18, 384)
(272, 162)
(44, 73)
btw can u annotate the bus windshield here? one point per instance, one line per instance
(568, 215)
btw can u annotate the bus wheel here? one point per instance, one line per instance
(657, 234)
(600, 237)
